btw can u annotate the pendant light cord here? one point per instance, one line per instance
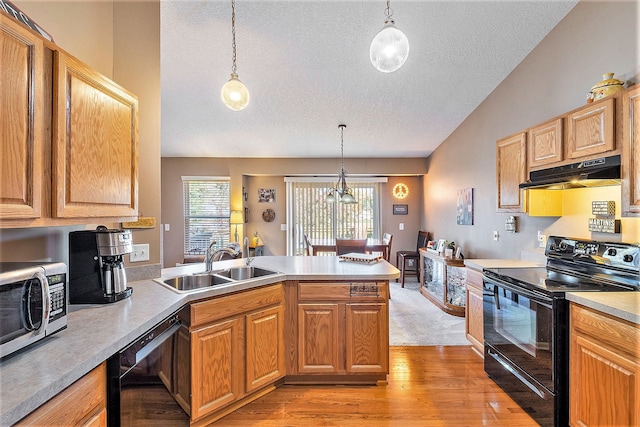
(233, 35)
(388, 11)
(342, 146)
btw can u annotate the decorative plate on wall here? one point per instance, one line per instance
(268, 215)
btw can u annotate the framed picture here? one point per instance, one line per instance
(464, 207)
(266, 195)
(441, 244)
(400, 209)
(431, 244)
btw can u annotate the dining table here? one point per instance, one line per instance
(329, 245)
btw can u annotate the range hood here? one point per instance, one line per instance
(589, 173)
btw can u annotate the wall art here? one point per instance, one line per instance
(266, 195)
(464, 207)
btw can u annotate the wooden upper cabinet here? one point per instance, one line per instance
(631, 153)
(545, 143)
(511, 171)
(95, 144)
(591, 130)
(22, 126)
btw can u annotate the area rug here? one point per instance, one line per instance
(416, 321)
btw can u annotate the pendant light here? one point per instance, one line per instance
(390, 47)
(234, 93)
(341, 189)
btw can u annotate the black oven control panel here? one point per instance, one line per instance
(619, 255)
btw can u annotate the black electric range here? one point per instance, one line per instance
(526, 319)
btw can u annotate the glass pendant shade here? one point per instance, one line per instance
(330, 198)
(389, 48)
(235, 94)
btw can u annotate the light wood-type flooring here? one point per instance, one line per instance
(428, 386)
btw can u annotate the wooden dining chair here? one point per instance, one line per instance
(307, 245)
(345, 246)
(387, 239)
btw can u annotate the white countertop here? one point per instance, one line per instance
(34, 375)
(481, 263)
(625, 305)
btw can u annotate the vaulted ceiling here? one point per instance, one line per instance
(306, 65)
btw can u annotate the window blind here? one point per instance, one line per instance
(206, 213)
(311, 215)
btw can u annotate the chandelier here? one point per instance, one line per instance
(234, 93)
(341, 189)
(390, 47)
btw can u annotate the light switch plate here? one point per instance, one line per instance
(139, 253)
(401, 226)
(283, 227)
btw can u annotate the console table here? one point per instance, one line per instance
(443, 281)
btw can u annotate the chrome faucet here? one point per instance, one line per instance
(208, 257)
(246, 251)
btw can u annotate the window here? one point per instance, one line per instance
(206, 213)
(311, 215)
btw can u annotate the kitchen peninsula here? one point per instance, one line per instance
(95, 332)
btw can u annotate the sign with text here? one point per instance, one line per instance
(604, 225)
(603, 207)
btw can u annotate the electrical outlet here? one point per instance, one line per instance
(167, 227)
(542, 241)
(139, 253)
(496, 235)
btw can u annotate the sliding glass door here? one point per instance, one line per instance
(308, 212)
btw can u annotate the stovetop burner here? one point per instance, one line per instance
(579, 265)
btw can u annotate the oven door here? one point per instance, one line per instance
(518, 323)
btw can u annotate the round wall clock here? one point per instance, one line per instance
(268, 215)
(400, 190)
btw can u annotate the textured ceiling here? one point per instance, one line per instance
(306, 65)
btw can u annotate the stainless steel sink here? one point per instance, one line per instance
(246, 272)
(195, 281)
(192, 282)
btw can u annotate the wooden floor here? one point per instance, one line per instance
(428, 386)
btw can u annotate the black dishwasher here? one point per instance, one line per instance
(149, 381)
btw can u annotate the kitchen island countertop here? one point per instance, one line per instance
(34, 375)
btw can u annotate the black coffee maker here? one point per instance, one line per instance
(96, 266)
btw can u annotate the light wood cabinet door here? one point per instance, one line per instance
(474, 317)
(265, 347)
(604, 371)
(511, 171)
(631, 153)
(591, 130)
(83, 403)
(22, 125)
(217, 361)
(95, 144)
(545, 143)
(318, 335)
(366, 338)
